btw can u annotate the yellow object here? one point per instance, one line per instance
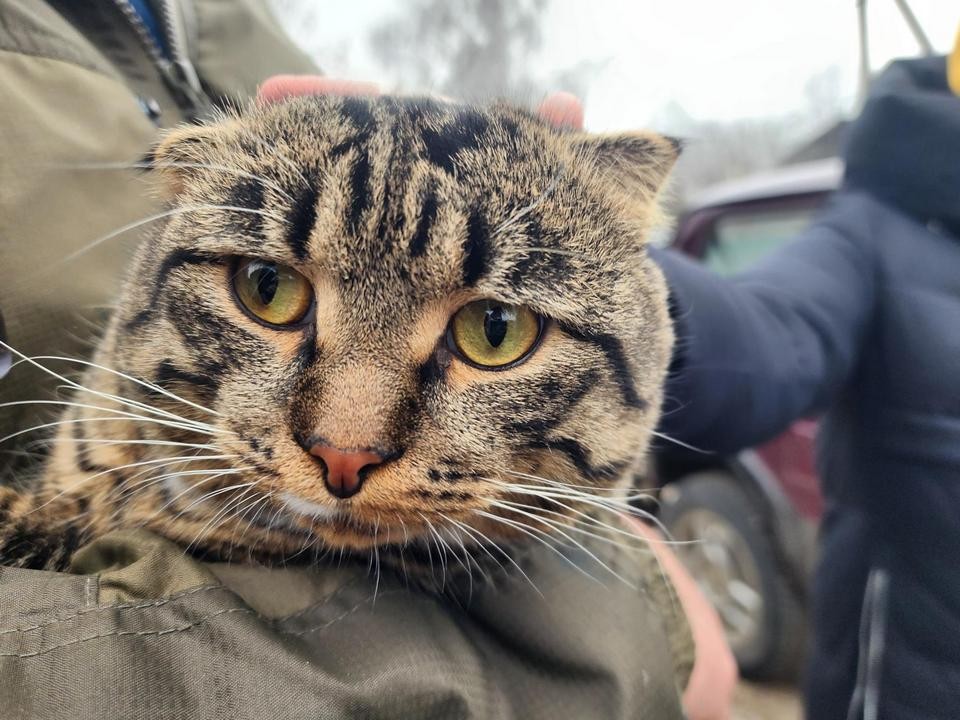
(490, 334)
(953, 67)
(275, 294)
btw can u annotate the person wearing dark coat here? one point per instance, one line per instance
(858, 317)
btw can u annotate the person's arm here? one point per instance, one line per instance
(709, 692)
(757, 351)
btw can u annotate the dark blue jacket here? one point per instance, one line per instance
(858, 317)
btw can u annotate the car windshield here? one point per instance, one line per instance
(742, 238)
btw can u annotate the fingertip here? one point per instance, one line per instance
(280, 87)
(562, 110)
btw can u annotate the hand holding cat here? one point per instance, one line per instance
(561, 109)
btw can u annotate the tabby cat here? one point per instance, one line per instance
(368, 324)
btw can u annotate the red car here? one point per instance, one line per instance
(752, 517)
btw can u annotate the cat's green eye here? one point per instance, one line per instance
(274, 294)
(494, 335)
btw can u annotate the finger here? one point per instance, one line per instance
(562, 110)
(280, 87)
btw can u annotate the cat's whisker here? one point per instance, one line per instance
(680, 443)
(482, 543)
(617, 498)
(161, 216)
(561, 530)
(429, 542)
(551, 251)
(308, 542)
(615, 504)
(570, 493)
(204, 497)
(72, 489)
(376, 556)
(255, 503)
(278, 511)
(179, 165)
(211, 476)
(56, 423)
(471, 558)
(617, 508)
(219, 491)
(586, 518)
(527, 209)
(575, 525)
(611, 494)
(128, 487)
(252, 522)
(446, 545)
(404, 573)
(467, 555)
(223, 513)
(115, 441)
(441, 552)
(272, 150)
(126, 417)
(139, 381)
(196, 425)
(542, 537)
(108, 396)
(306, 545)
(590, 488)
(100, 442)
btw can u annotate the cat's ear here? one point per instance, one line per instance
(182, 151)
(637, 162)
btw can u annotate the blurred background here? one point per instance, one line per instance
(746, 82)
(761, 92)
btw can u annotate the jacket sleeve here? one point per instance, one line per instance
(762, 349)
(141, 629)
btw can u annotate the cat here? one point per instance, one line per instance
(368, 323)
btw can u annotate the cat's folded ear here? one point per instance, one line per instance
(182, 151)
(638, 163)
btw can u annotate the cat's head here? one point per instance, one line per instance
(400, 312)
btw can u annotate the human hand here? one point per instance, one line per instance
(560, 109)
(709, 692)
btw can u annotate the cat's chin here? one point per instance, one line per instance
(338, 527)
(310, 509)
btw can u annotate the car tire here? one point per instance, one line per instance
(768, 633)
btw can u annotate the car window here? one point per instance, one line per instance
(742, 238)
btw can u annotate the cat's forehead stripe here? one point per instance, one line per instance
(428, 214)
(303, 216)
(246, 193)
(476, 250)
(359, 189)
(463, 131)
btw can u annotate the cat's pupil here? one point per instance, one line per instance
(267, 281)
(495, 326)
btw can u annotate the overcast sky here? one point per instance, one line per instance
(717, 59)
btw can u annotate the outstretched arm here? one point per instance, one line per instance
(757, 351)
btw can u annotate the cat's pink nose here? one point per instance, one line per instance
(345, 468)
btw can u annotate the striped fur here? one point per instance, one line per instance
(399, 212)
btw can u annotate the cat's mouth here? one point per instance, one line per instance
(342, 523)
(310, 509)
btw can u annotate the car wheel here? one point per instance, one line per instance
(723, 539)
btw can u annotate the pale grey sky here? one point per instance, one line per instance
(718, 60)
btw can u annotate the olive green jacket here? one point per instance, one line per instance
(77, 85)
(138, 630)
(141, 631)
